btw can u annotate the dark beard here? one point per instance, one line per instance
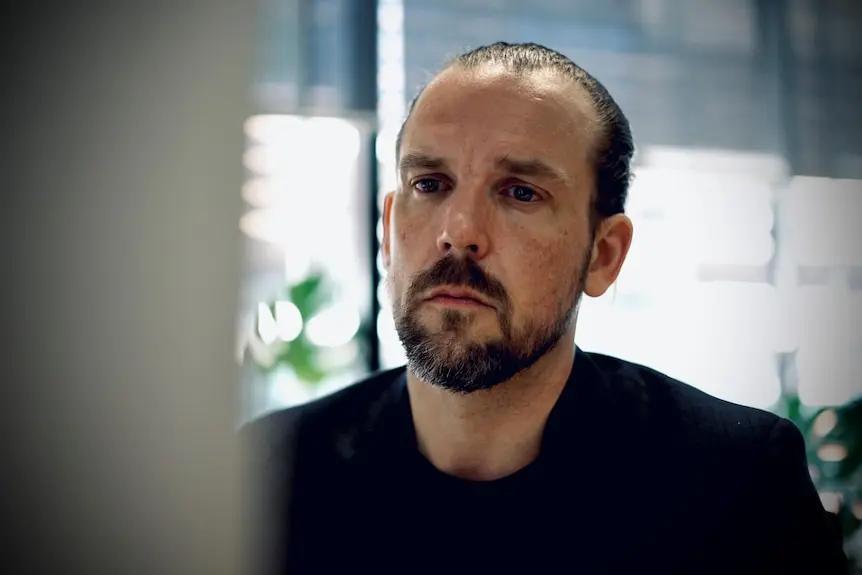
(447, 360)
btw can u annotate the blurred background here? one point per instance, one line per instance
(747, 118)
(191, 219)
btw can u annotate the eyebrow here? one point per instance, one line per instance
(418, 160)
(530, 167)
(515, 166)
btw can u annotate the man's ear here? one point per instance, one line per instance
(610, 247)
(386, 248)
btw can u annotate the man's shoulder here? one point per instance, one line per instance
(674, 407)
(326, 416)
(738, 470)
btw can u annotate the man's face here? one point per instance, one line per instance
(487, 241)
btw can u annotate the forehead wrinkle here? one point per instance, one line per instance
(526, 163)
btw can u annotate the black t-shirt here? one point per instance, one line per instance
(417, 518)
(488, 524)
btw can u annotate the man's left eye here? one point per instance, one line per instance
(522, 194)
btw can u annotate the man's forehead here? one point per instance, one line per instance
(534, 113)
(496, 84)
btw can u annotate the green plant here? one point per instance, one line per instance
(833, 439)
(309, 296)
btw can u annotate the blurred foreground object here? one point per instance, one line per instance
(121, 274)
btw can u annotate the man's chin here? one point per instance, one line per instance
(460, 344)
(467, 330)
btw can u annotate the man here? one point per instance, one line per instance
(502, 446)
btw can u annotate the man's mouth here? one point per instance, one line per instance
(459, 297)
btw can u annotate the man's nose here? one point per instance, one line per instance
(465, 226)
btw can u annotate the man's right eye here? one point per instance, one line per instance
(427, 185)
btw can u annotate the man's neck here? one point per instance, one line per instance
(493, 433)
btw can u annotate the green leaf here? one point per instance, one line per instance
(309, 295)
(848, 432)
(300, 355)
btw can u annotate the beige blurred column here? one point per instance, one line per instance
(122, 124)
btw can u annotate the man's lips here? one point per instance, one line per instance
(458, 297)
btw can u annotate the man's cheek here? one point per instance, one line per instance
(395, 287)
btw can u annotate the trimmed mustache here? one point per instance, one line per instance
(455, 271)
